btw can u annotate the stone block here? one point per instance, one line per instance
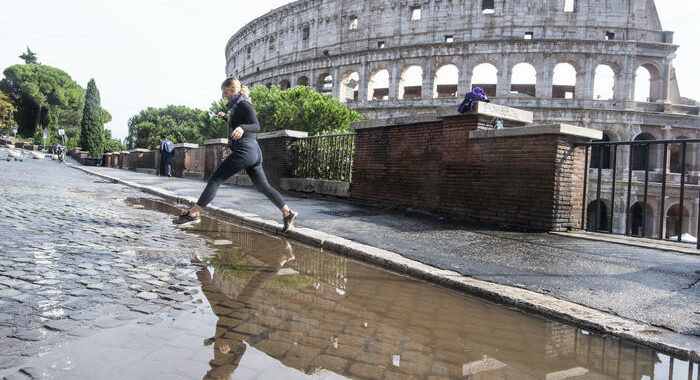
(318, 186)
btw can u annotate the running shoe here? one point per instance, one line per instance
(288, 220)
(186, 219)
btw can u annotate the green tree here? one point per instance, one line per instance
(111, 144)
(29, 56)
(106, 116)
(219, 127)
(92, 125)
(45, 97)
(180, 123)
(7, 111)
(301, 108)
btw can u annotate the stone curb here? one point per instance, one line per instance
(520, 299)
(634, 242)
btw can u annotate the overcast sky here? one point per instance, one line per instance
(151, 53)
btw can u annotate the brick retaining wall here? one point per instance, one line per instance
(277, 156)
(527, 178)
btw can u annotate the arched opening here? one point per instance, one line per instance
(524, 80)
(604, 153)
(604, 83)
(643, 153)
(487, 7)
(446, 78)
(642, 85)
(676, 158)
(411, 83)
(378, 86)
(569, 6)
(284, 84)
(642, 217)
(325, 83)
(302, 81)
(672, 225)
(349, 86)
(592, 216)
(485, 75)
(564, 81)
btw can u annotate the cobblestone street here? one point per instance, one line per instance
(96, 283)
(77, 259)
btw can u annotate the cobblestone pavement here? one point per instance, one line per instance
(80, 264)
(77, 259)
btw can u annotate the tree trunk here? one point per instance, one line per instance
(38, 120)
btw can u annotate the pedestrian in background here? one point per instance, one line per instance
(245, 154)
(166, 155)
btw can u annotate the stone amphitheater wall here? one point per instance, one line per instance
(338, 46)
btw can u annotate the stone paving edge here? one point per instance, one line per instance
(634, 242)
(521, 299)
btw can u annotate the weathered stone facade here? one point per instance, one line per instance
(322, 43)
(347, 48)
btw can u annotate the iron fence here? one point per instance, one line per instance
(655, 173)
(327, 157)
(611, 358)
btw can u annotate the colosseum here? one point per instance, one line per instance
(600, 64)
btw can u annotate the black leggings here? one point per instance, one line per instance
(245, 154)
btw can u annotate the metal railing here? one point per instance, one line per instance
(327, 157)
(612, 358)
(639, 160)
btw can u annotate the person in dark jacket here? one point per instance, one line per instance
(471, 98)
(166, 156)
(245, 154)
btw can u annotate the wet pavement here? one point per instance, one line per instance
(76, 259)
(652, 286)
(261, 307)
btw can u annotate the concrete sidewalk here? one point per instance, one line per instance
(645, 295)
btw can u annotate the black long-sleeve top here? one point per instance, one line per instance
(242, 114)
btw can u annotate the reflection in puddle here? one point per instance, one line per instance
(289, 311)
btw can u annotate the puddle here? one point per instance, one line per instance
(274, 309)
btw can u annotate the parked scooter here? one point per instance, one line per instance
(61, 153)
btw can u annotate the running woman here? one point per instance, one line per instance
(245, 154)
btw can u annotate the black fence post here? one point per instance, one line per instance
(612, 191)
(679, 228)
(646, 190)
(585, 188)
(663, 194)
(598, 186)
(628, 206)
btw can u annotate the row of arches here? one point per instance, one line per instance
(642, 220)
(651, 155)
(566, 81)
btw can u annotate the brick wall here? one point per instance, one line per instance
(216, 151)
(185, 157)
(276, 148)
(195, 160)
(524, 181)
(123, 160)
(132, 160)
(150, 160)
